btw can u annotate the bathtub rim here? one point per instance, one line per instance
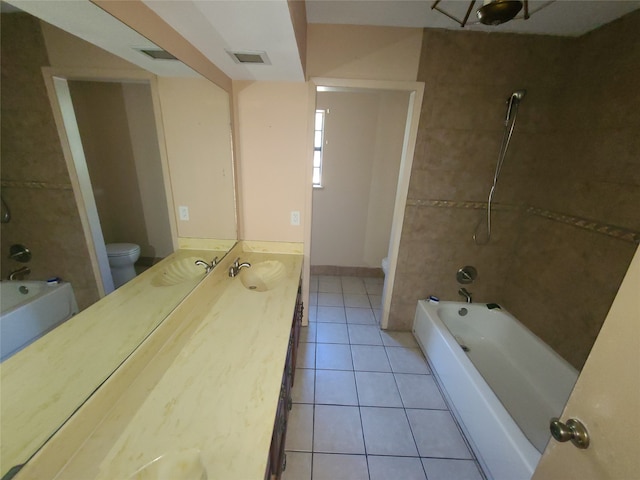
(34, 304)
(47, 289)
(522, 455)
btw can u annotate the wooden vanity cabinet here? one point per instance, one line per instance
(277, 458)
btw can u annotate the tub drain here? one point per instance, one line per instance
(23, 290)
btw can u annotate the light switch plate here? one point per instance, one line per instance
(184, 213)
(295, 218)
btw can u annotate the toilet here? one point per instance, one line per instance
(385, 266)
(122, 256)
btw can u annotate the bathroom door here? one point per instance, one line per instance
(606, 399)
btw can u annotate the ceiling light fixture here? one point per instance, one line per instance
(493, 12)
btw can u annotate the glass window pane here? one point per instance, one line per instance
(317, 159)
(316, 176)
(319, 119)
(317, 142)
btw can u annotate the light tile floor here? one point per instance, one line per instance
(365, 403)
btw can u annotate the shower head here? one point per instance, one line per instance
(513, 101)
(495, 12)
(519, 94)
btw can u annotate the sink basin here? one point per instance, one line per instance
(179, 271)
(263, 276)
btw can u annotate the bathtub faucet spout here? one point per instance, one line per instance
(464, 293)
(20, 273)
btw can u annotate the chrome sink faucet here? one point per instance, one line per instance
(237, 266)
(208, 267)
(467, 295)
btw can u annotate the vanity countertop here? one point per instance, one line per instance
(43, 384)
(207, 380)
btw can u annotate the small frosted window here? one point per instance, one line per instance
(318, 146)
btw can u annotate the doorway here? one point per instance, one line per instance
(368, 251)
(354, 192)
(116, 163)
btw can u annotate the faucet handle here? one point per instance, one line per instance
(215, 261)
(20, 253)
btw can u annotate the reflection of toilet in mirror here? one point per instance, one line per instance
(122, 256)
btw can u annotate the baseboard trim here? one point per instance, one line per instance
(346, 271)
(148, 261)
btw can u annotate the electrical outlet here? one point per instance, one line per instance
(184, 213)
(295, 218)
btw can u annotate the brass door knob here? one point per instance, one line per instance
(573, 430)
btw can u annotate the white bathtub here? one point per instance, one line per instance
(503, 390)
(31, 309)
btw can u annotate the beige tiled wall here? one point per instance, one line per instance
(575, 152)
(35, 181)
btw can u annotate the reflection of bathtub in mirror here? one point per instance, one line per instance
(30, 310)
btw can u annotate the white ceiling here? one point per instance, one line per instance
(555, 17)
(83, 19)
(215, 26)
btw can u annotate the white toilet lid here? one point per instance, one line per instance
(121, 249)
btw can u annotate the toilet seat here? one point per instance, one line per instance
(121, 249)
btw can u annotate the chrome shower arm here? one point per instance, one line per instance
(509, 124)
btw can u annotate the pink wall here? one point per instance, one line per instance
(271, 158)
(363, 52)
(353, 211)
(272, 121)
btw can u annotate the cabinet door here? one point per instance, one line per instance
(277, 456)
(295, 330)
(279, 429)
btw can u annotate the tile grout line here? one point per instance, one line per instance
(404, 407)
(364, 441)
(455, 420)
(313, 410)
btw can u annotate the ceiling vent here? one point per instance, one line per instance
(250, 57)
(156, 53)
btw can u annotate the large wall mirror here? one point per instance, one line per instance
(154, 140)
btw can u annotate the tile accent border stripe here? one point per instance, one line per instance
(620, 233)
(451, 204)
(594, 226)
(35, 185)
